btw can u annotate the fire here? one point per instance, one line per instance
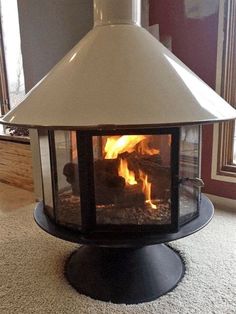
(118, 145)
(124, 172)
(146, 189)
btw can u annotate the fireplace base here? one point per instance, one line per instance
(125, 275)
(124, 268)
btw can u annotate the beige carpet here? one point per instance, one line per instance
(31, 269)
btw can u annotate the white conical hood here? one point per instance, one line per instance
(119, 75)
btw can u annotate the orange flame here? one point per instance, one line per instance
(124, 172)
(146, 189)
(115, 146)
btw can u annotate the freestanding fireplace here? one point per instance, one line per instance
(119, 126)
(118, 191)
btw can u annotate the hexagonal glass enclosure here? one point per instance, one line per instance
(121, 180)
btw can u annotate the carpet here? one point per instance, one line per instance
(32, 280)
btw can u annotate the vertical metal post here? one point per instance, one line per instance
(53, 162)
(199, 198)
(86, 178)
(175, 177)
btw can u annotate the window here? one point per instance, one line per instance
(4, 104)
(12, 77)
(226, 159)
(234, 155)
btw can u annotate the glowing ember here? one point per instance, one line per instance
(124, 172)
(146, 189)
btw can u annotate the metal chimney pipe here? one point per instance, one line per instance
(110, 12)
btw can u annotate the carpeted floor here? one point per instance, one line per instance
(32, 280)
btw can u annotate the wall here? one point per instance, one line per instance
(49, 29)
(194, 41)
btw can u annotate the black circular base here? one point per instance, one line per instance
(125, 275)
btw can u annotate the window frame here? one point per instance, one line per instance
(223, 166)
(4, 92)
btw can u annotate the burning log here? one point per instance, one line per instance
(112, 188)
(132, 197)
(146, 163)
(109, 185)
(158, 175)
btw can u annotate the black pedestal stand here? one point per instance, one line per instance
(125, 275)
(125, 269)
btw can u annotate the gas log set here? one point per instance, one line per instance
(132, 180)
(118, 125)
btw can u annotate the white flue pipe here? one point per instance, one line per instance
(110, 12)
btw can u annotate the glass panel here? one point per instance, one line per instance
(46, 172)
(132, 179)
(189, 169)
(68, 203)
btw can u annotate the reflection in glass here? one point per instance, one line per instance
(132, 179)
(68, 198)
(189, 169)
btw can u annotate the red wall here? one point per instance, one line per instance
(194, 41)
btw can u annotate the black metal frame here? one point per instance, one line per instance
(53, 166)
(86, 182)
(87, 185)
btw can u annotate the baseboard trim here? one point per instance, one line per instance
(222, 202)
